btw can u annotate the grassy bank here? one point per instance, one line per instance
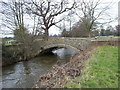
(101, 70)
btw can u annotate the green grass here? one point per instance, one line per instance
(7, 44)
(101, 70)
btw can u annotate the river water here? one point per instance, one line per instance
(24, 74)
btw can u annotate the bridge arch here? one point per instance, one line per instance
(49, 48)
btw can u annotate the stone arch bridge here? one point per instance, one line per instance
(62, 42)
(41, 46)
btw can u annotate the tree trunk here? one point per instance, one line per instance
(46, 35)
(89, 34)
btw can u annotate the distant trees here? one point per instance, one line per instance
(102, 32)
(78, 30)
(109, 31)
(118, 30)
(89, 12)
(66, 33)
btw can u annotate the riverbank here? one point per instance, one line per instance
(59, 76)
(101, 70)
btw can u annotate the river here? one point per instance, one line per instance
(24, 74)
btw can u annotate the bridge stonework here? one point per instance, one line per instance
(62, 42)
(47, 46)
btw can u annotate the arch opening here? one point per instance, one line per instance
(48, 50)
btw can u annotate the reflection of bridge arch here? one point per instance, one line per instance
(50, 48)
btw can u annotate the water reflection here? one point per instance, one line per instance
(24, 74)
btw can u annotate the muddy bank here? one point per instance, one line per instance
(59, 75)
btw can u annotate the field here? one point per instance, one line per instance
(101, 70)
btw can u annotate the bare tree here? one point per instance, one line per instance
(90, 11)
(79, 30)
(13, 14)
(47, 11)
(13, 18)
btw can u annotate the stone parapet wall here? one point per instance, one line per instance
(78, 43)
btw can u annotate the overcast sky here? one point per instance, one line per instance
(113, 11)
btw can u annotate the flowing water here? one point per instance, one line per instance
(24, 74)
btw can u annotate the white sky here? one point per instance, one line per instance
(113, 11)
